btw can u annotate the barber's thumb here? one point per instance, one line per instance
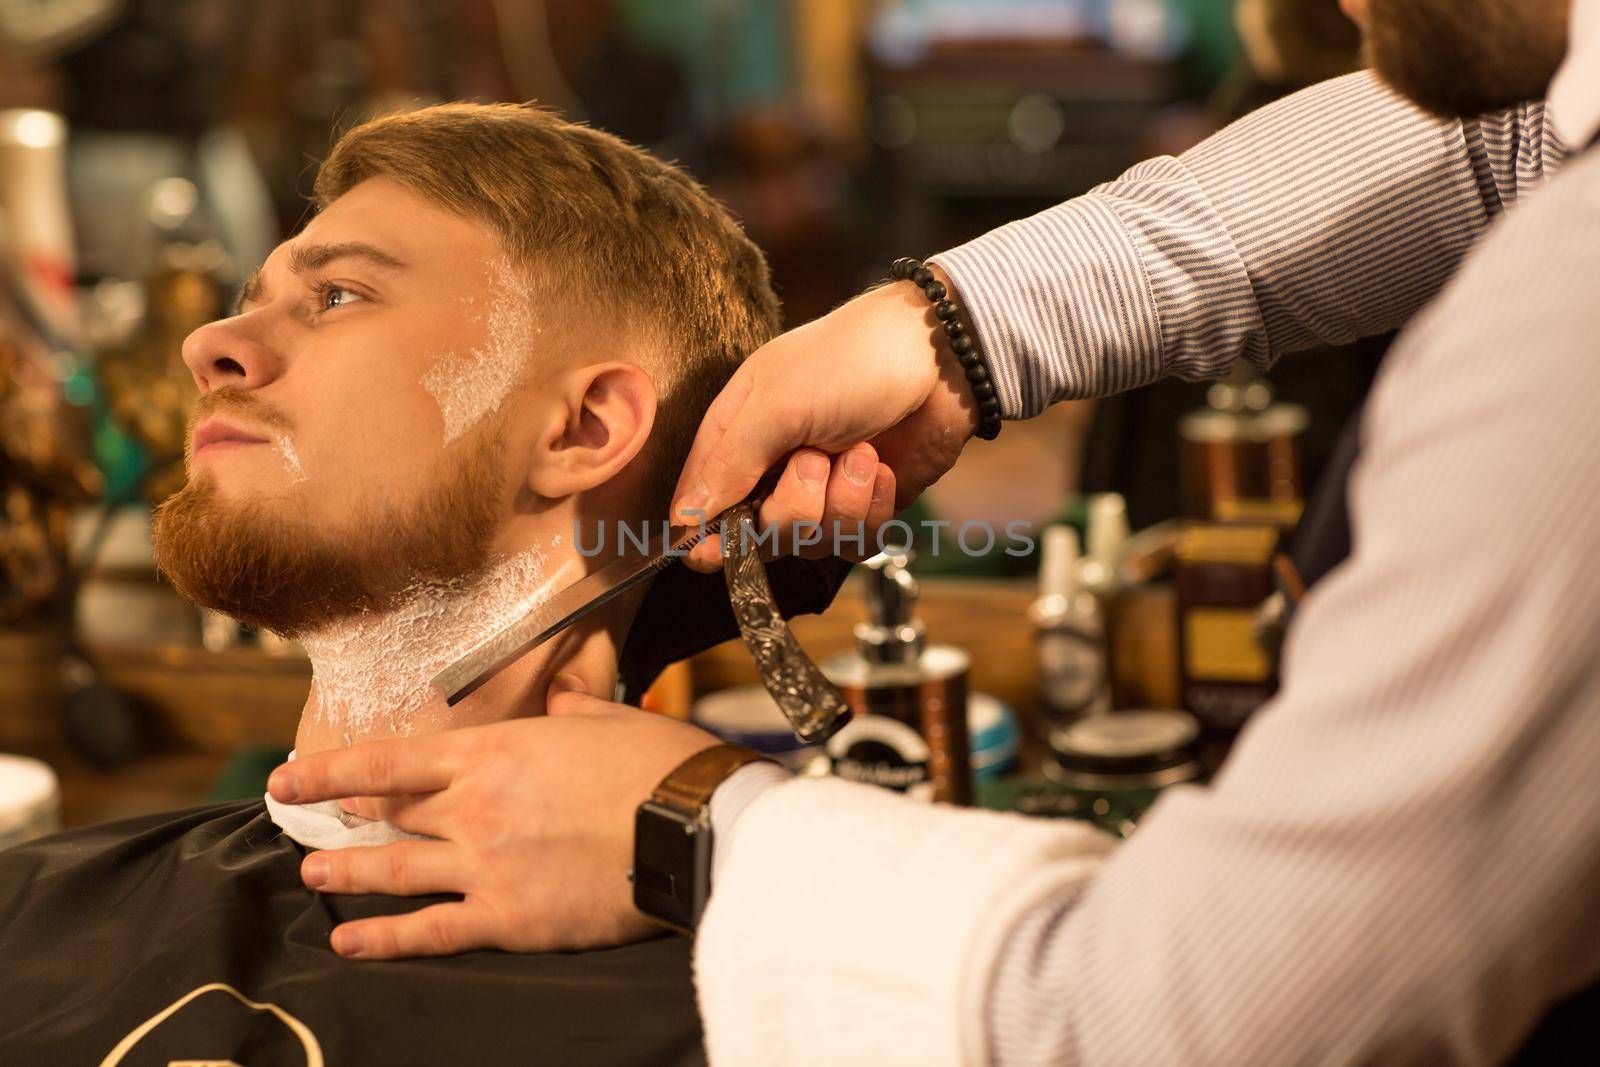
(724, 480)
(568, 693)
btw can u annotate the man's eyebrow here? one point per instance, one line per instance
(311, 257)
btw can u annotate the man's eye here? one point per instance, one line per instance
(334, 296)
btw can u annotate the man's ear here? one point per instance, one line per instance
(604, 414)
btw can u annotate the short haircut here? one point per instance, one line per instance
(604, 230)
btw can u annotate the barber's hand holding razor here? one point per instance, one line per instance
(533, 818)
(864, 386)
(534, 821)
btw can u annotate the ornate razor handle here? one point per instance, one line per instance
(808, 700)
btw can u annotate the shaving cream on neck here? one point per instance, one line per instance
(371, 673)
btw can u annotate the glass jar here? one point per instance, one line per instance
(1108, 769)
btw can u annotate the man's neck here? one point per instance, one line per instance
(371, 673)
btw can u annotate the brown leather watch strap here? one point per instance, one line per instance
(689, 787)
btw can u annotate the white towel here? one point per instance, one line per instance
(326, 825)
(851, 925)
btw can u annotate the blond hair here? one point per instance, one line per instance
(603, 229)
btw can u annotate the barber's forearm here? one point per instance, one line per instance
(1331, 215)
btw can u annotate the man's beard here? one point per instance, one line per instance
(261, 563)
(1461, 58)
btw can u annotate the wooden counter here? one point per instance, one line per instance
(195, 707)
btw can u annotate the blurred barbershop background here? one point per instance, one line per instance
(152, 152)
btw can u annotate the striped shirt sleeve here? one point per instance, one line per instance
(1397, 865)
(1333, 214)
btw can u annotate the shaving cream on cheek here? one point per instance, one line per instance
(372, 673)
(291, 458)
(469, 387)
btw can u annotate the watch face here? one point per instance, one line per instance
(671, 865)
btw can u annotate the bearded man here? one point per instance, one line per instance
(1398, 864)
(499, 331)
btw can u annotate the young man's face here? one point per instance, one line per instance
(354, 432)
(367, 348)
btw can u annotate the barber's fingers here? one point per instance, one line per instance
(437, 930)
(791, 516)
(794, 508)
(403, 869)
(743, 433)
(568, 695)
(748, 429)
(881, 509)
(844, 511)
(705, 557)
(847, 504)
(422, 813)
(377, 768)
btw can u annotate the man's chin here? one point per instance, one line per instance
(252, 558)
(268, 559)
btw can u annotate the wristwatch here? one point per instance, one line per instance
(671, 872)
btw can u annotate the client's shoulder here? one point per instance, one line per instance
(101, 850)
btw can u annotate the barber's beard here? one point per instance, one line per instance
(1461, 58)
(261, 562)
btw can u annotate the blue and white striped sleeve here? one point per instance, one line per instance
(1333, 214)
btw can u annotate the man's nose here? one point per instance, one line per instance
(228, 352)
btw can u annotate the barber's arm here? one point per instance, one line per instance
(1397, 865)
(1330, 215)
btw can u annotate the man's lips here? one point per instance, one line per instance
(216, 434)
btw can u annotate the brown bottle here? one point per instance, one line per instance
(910, 700)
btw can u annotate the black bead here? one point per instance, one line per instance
(952, 328)
(977, 373)
(969, 359)
(903, 267)
(934, 291)
(922, 276)
(990, 404)
(983, 390)
(962, 344)
(945, 310)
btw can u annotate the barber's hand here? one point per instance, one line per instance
(864, 385)
(535, 818)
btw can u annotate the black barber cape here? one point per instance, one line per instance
(188, 938)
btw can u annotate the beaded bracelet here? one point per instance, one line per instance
(961, 342)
